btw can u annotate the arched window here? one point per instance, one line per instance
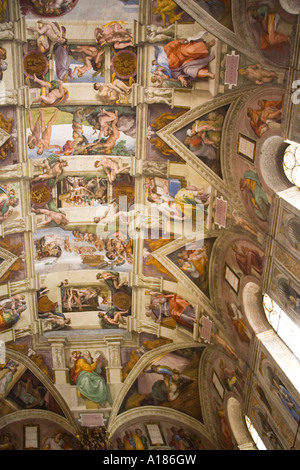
(279, 162)
(291, 164)
(286, 329)
(257, 440)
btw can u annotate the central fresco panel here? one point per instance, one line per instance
(82, 189)
(81, 131)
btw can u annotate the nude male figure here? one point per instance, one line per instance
(111, 168)
(114, 34)
(259, 75)
(105, 118)
(43, 141)
(91, 54)
(53, 93)
(50, 33)
(111, 93)
(59, 218)
(35, 129)
(52, 172)
(113, 135)
(81, 70)
(117, 318)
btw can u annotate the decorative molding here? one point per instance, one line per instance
(237, 100)
(159, 413)
(41, 415)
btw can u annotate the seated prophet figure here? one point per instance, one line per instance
(8, 201)
(204, 138)
(86, 373)
(209, 129)
(11, 310)
(172, 305)
(184, 59)
(193, 262)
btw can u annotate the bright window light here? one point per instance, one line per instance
(286, 329)
(254, 434)
(291, 164)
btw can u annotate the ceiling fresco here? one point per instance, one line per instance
(144, 214)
